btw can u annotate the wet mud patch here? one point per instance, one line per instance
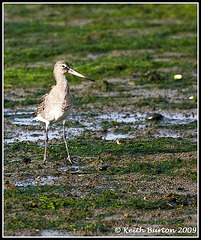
(134, 190)
(19, 125)
(130, 170)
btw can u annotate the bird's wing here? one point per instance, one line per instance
(41, 105)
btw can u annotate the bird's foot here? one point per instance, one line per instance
(68, 160)
(71, 161)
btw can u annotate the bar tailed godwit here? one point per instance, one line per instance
(56, 105)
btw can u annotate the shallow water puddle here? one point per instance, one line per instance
(50, 233)
(47, 180)
(41, 181)
(71, 167)
(19, 125)
(114, 136)
(122, 117)
(34, 136)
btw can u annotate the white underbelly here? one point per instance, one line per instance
(57, 114)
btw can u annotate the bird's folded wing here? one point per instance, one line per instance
(41, 105)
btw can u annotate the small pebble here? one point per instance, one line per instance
(27, 159)
(177, 76)
(154, 116)
(118, 142)
(172, 203)
(104, 167)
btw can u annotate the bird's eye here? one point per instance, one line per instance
(64, 66)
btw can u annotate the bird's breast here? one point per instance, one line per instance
(60, 107)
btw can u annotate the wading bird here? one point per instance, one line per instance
(56, 105)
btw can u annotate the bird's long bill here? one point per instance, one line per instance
(71, 71)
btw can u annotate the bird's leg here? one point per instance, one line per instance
(46, 142)
(64, 137)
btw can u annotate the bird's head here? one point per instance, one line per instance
(64, 67)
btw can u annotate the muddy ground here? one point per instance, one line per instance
(131, 175)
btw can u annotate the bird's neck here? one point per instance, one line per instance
(61, 80)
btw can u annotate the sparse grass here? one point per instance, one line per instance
(55, 36)
(95, 147)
